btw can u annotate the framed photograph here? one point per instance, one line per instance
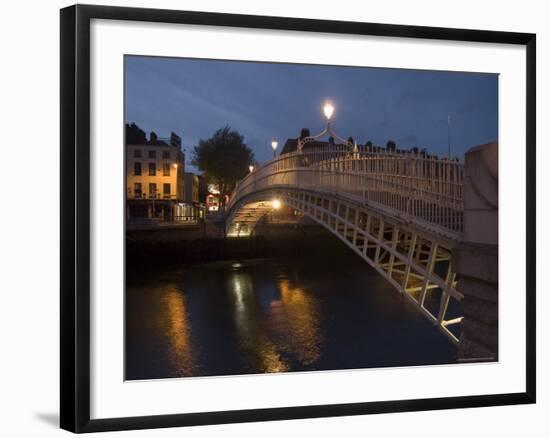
(269, 218)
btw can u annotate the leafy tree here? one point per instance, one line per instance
(223, 158)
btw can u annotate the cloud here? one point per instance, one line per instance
(265, 100)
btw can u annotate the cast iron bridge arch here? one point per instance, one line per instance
(401, 212)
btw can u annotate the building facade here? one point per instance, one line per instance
(191, 188)
(193, 208)
(155, 183)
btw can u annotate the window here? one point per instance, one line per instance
(152, 154)
(137, 168)
(166, 155)
(166, 169)
(137, 153)
(137, 190)
(166, 190)
(152, 190)
(152, 169)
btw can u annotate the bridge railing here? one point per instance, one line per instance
(424, 189)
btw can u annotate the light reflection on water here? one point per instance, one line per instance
(178, 332)
(271, 316)
(298, 330)
(259, 349)
(288, 324)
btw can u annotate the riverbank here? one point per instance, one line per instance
(148, 248)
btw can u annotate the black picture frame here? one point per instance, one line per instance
(75, 217)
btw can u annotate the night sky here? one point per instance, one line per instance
(264, 100)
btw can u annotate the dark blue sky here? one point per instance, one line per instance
(263, 100)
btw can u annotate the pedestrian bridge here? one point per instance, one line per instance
(402, 212)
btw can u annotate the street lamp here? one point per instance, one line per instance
(328, 109)
(251, 168)
(274, 145)
(276, 204)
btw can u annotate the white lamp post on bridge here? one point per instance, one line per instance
(328, 111)
(274, 144)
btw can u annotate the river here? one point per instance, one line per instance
(324, 311)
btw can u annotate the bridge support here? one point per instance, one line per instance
(475, 261)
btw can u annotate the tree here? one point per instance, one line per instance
(223, 158)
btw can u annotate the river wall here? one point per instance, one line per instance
(173, 246)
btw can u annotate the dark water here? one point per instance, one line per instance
(272, 315)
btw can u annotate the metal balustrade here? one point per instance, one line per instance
(426, 190)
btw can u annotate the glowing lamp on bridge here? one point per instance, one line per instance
(328, 109)
(251, 168)
(274, 144)
(276, 204)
